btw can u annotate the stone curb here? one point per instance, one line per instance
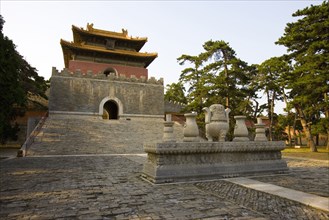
(314, 201)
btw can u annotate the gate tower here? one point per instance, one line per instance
(106, 75)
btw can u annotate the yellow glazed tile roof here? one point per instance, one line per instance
(91, 30)
(100, 49)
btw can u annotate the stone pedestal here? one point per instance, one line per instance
(192, 161)
(168, 132)
(260, 130)
(191, 130)
(240, 130)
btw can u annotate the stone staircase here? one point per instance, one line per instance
(74, 135)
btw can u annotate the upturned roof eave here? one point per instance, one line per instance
(138, 42)
(149, 57)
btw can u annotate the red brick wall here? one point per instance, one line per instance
(84, 66)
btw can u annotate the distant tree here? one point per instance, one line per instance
(222, 58)
(269, 80)
(175, 92)
(307, 41)
(218, 76)
(283, 127)
(17, 78)
(194, 77)
(230, 80)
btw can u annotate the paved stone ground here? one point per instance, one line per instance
(96, 185)
(109, 187)
(307, 175)
(101, 187)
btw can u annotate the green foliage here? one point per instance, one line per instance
(228, 77)
(193, 76)
(217, 76)
(270, 80)
(283, 121)
(320, 126)
(269, 77)
(17, 78)
(307, 41)
(175, 92)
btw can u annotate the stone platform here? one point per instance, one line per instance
(193, 161)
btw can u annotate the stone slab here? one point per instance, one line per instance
(315, 201)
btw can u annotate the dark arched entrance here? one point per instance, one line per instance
(110, 110)
(110, 70)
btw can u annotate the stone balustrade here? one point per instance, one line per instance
(194, 160)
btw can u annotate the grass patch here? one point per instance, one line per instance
(305, 152)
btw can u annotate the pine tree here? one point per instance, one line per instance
(17, 78)
(307, 42)
(217, 76)
(269, 80)
(175, 92)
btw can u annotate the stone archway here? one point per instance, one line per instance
(110, 110)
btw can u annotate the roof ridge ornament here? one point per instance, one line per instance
(125, 32)
(90, 26)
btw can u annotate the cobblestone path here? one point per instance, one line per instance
(87, 168)
(272, 206)
(110, 187)
(101, 187)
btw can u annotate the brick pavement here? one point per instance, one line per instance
(101, 187)
(109, 187)
(102, 184)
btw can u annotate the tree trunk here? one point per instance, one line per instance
(272, 112)
(300, 139)
(256, 109)
(289, 136)
(294, 130)
(327, 140)
(269, 115)
(289, 127)
(227, 99)
(306, 129)
(327, 116)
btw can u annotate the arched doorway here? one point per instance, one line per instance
(110, 110)
(110, 70)
(105, 109)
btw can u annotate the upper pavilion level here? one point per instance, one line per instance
(96, 50)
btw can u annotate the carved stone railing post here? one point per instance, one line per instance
(168, 130)
(240, 130)
(260, 130)
(191, 130)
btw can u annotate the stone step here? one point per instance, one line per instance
(91, 135)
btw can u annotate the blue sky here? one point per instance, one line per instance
(173, 28)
